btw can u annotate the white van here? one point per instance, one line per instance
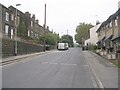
(62, 46)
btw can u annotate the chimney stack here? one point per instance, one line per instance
(33, 16)
(97, 22)
(37, 21)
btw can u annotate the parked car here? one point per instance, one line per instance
(85, 48)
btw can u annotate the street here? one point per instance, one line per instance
(72, 68)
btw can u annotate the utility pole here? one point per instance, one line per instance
(67, 32)
(45, 30)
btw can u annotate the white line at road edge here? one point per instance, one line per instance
(99, 82)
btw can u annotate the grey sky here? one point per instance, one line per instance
(63, 15)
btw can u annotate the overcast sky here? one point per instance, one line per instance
(63, 15)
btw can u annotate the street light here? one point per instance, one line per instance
(16, 30)
(45, 30)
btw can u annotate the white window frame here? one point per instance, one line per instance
(116, 23)
(28, 33)
(6, 30)
(111, 24)
(31, 23)
(32, 34)
(12, 34)
(7, 16)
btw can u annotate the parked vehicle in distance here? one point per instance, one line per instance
(62, 46)
(85, 48)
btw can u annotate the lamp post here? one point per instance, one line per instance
(16, 30)
(45, 30)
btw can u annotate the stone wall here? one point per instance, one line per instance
(8, 48)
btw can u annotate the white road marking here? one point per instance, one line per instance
(45, 62)
(53, 63)
(99, 82)
(66, 64)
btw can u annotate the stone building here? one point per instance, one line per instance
(28, 30)
(28, 26)
(109, 34)
(7, 22)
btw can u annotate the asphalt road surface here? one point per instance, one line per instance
(72, 68)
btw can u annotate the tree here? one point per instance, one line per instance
(56, 37)
(51, 38)
(82, 31)
(67, 39)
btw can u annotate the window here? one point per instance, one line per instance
(12, 17)
(12, 33)
(102, 30)
(7, 16)
(35, 35)
(117, 17)
(110, 24)
(6, 30)
(116, 24)
(32, 34)
(31, 23)
(106, 27)
(111, 44)
(28, 33)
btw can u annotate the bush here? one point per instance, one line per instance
(92, 47)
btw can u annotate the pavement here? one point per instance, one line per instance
(105, 71)
(20, 57)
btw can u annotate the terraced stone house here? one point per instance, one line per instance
(109, 35)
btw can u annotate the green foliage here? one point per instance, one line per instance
(51, 38)
(82, 31)
(118, 65)
(56, 36)
(41, 39)
(92, 47)
(22, 32)
(67, 39)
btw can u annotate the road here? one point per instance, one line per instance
(72, 68)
